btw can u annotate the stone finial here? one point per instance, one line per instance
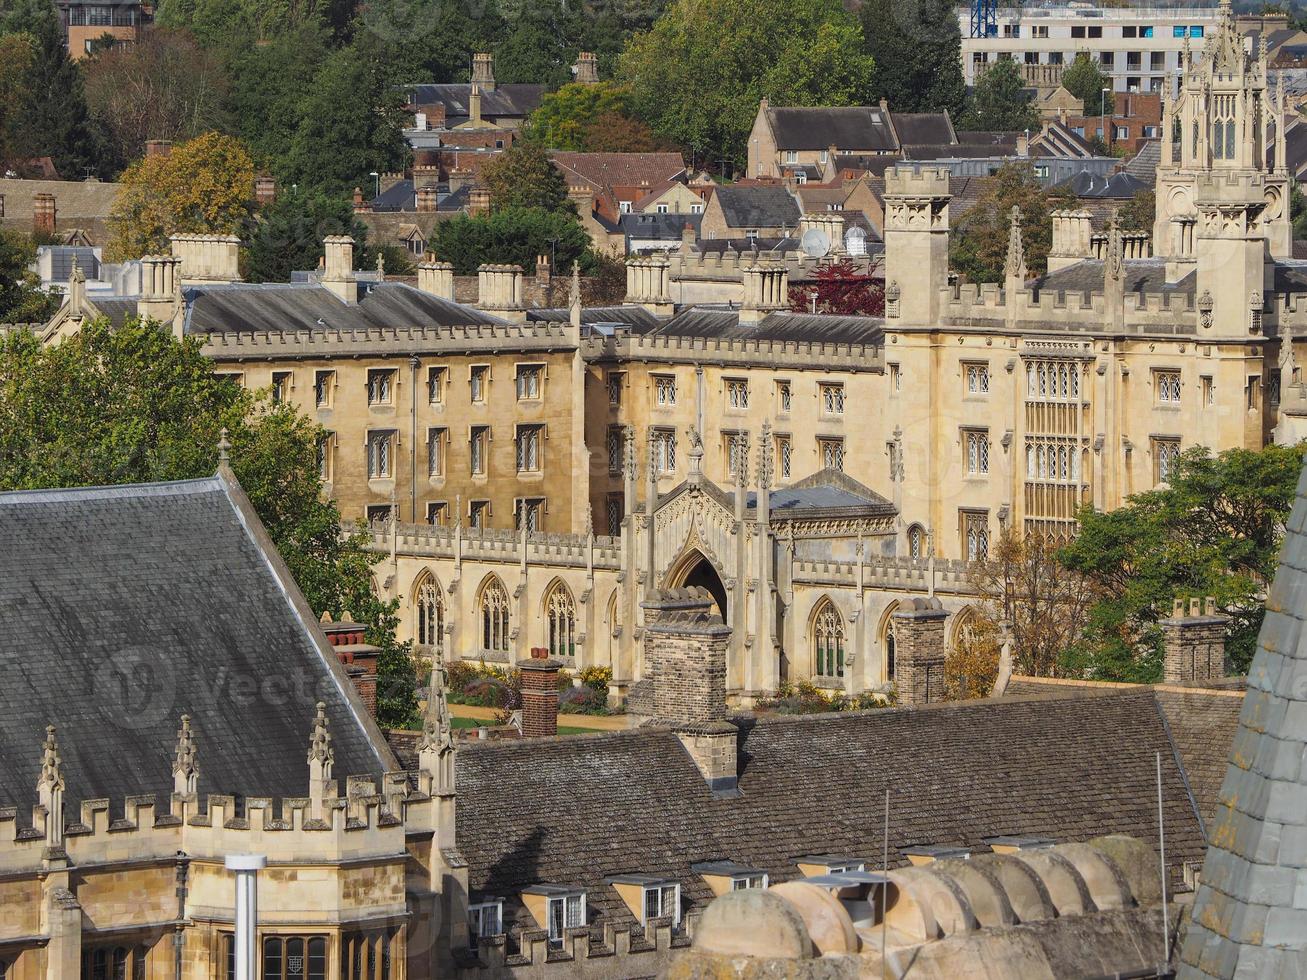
(51, 777)
(320, 750)
(765, 457)
(224, 447)
(436, 745)
(381, 266)
(1015, 266)
(185, 766)
(741, 460)
(50, 790)
(574, 292)
(1115, 264)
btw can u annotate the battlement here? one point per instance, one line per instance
(728, 262)
(329, 342)
(914, 181)
(647, 955)
(791, 353)
(889, 572)
(1230, 187)
(1153, 313)
(499, 545)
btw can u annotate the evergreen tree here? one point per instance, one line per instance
(917, 50)
(512, 235)
(53, 120)
(21, 298)
(1000, 101)
(524, 177)
(1086, 80)
(287, 234)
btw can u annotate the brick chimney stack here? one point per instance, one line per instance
(483, 71)
(919, 651)
(587, 68)
(478, 201)
(1194, 642)
(44, 214)
(539, 694)
(358, 657)
(265, 189)
(685, 648)
(158, 148)
(425, 198)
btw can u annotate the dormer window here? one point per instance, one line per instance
(485, 919)
(556, 909)
(649, 897)
(829, 864)
(727, 876)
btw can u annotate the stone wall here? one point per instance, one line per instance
(919, 651)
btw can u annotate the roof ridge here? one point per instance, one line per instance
(118, 491)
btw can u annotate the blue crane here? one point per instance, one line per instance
(984, 18)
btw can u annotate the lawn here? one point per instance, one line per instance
(457, 722)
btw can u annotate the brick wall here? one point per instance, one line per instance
(1194, 642)
(539, 694)
(685, 648)
(919, 652)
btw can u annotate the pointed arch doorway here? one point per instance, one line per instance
(694, 569)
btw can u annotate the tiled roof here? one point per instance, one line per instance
(1143, 165)
(1203, 724)
(816, 328)
(1118, 186)
(923, 128)
(1141, 276)
(573, 810)
(619, 169)
(133, 605)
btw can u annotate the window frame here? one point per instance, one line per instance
(831, 447)
(283, 383)
(661, 889)
(975, 378)
(527, 370)
(664, 437)
(437, 451)
(476, 920)
(382, 444)
(478, 450)
(831, 395)
(381, 386)
(478, 383)
(975, 451)
(555, 938)
(736, 392)
(529, 447)
(437, 377)
(324, 388)
(1168, 387)
(665, 390)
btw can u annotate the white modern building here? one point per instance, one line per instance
(1137, 46)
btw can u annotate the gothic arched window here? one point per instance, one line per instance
(916, 542)
(494, 617)
(560, 620)
(828, 640)
(430, 615)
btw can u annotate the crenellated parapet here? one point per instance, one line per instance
(890, 573)
(499, 545)
(646, 955)
(331, 824)
(788, 353)
(335, 342)
(1169, 314)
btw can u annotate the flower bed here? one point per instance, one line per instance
(805, 698)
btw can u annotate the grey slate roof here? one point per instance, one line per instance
(699, 321)
(1250, 917)
(505, 100)
(1119, 185)
(308, 306)
(637, 318)
(663, 227)
(397, 197)
(1141, 276)
(758, 206)
(849, 128)
(1143, 165)
(827, 491)
(923, 128)
(574, 810)
(132, 605)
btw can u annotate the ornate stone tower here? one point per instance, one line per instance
(1223, 206)
(916, 242)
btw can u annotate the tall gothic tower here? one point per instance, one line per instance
(1224, 206)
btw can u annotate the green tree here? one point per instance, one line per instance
(523, 176)
(917, 50)
(1215, 529)
(978, 248)
(287, 234)
(134, 405)
(1000, 101)
(561, 121)
(204, 186)
(21, 298)
(512, 235)
(53, 119)
(698, 74)
(350, 123)
(1139, 212)
(1298, 211)
(1085, 79)
(15, 60)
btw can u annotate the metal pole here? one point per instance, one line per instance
(884, 893)
(246, 867)
(1161, 846)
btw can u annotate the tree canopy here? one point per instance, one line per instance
(1000, 101)
(594, 118)
(204, 186)
(1215, 529)
(1085, 79)
(511, 235)
(21, 298)
(287, 234)
(978, 247)
(918, 54)
(698, 74)
(134, 405)
(523, 176)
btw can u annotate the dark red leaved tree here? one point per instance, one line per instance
(840, 288)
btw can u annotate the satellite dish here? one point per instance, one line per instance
(815, 243)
